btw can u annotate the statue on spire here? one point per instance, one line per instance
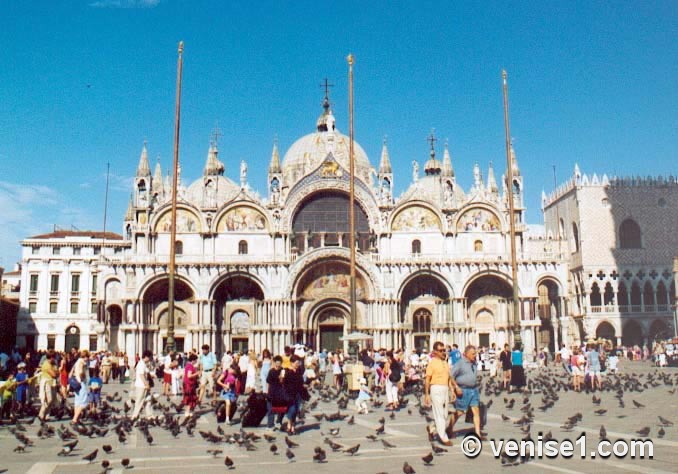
(243, 174)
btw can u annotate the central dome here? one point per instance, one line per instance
(308, 152)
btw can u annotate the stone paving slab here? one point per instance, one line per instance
(406, 432)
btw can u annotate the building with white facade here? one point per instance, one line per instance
(620, 238)
(257, 272)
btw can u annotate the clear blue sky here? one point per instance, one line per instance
(590, 82)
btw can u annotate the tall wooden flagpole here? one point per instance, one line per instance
(351, 201)
(169, 347)
(512, 219)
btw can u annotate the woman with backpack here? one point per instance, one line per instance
(392, 372)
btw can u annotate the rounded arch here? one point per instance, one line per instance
(241, 216)
(552, 281)
(502, 281)
(448, 290)
(659, 330)
(114, 313)
(152, 289)
(632, 334)
(364, 268)
(236, 285)
(478, 218)
(112, 288)
(607, 331)
(630, 235)
(72, 337)
(416, 216)
(189, 219)
(575, 237)
(303, 191)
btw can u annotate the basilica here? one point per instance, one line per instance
(264, 272)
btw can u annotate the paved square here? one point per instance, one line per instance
(405, 431)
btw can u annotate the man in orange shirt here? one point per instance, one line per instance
(438, 390)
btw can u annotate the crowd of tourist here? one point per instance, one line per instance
(199, 378)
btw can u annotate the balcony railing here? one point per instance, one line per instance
(636, 308)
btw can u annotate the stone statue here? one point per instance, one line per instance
(415, 171)
(243, 174)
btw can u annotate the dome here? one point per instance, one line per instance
(211, 191)
(308, 152)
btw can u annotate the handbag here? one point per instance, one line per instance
(74, 384)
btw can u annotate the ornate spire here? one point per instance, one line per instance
(477, 177)
(129, 215)
(144, 169)
(491, 181)
(514, 162)
(274, 167)
(385, 162)
(157, 177)
(213, 167)
(326, 120)
(448, 170)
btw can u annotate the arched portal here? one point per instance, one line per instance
(330, 327)
(488, 300)
(632, 334)
(659, 331)
(235, 296)
(72, 338)
(114, 319)
(421, 329)
(606, 331)
(155, 313)
(420, 299)
(548, 309)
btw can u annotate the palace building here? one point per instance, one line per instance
(264, 272)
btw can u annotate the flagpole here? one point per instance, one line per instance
(169, 347)
(351, 203)
(512, 220)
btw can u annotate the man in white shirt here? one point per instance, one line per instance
(142, 387)
(226, 361)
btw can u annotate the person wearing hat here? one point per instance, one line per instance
(363, 397)
(21, 386)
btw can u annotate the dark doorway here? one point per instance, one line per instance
(484, 339)
(330, 335)
(239, 344)
(72, 339)
(178, 344)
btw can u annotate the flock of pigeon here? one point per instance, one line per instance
(326, 413)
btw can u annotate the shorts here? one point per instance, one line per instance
(95, 397)
(167, 378)
(207, 379)
(228, 395)
(577, 371)
(470, 398)
(594, 372)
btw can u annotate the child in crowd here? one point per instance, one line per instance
(612, 362)
(363, 397)
(7, 391)
(177, 376)
(227, 383)
(22, 385)
(95, 384)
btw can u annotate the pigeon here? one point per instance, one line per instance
(505, 418)
(107, 448)
(290, 443)
(214, 452)
(600, 412)
(228, 462)
(274, 449)
(351, 420)
(428, 459)
(320, 455)
(91, 456)
(125, 462)
(437, 449)
(603, 432)
(20, 449)
(644, 431)
(665, 422)
(371, 437)
(638, 404)
(407, 469)
(352, 450)
(334, 431)
(290, 455)
(105, 464)
(661, 432)
(387, 445)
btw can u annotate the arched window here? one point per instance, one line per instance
(648, 296)
(608, 296)
(179, 247)
(622, 297)
(629, 235)
(635, 295)
(242, 247)
(416, 247)
(595, 295)
(478, 246)
(575, 237)
(421, 321)
(662, 294)
(561, 229)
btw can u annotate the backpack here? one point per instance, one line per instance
(394, 376)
